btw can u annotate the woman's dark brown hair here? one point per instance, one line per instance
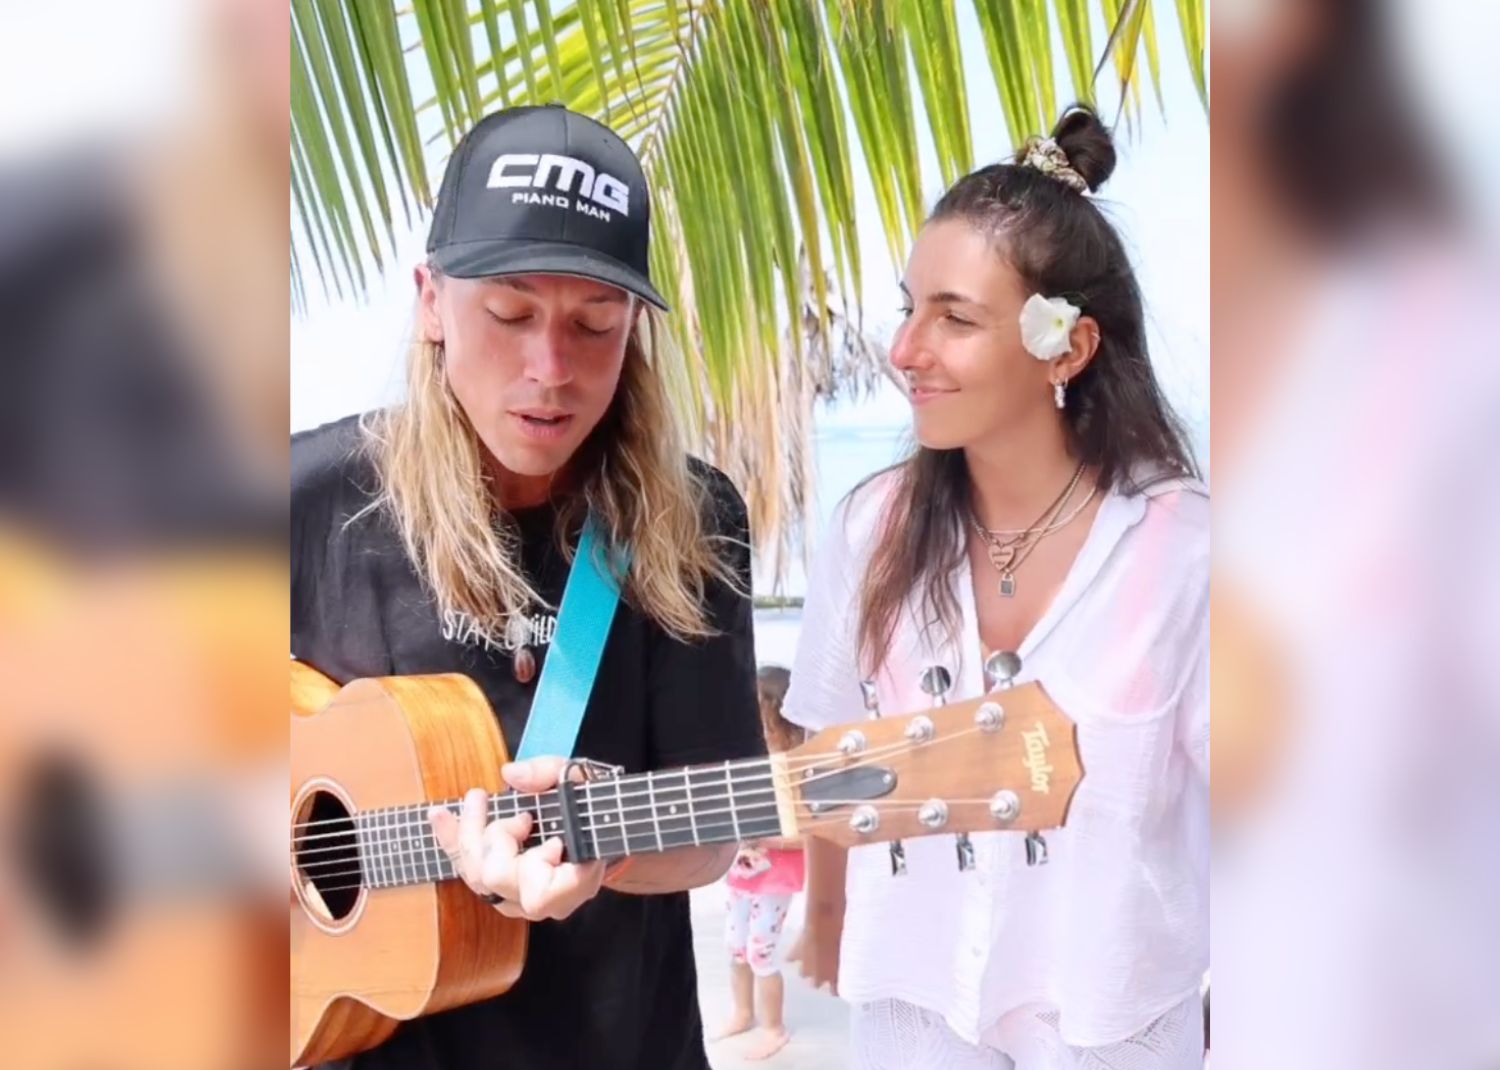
(1117, 420)
(771, 684)
(1345, 144)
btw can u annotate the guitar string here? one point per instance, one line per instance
(441, 858)
(426, 840)
(791, 763)
(407, 811)
(611, 803)
(408, 848)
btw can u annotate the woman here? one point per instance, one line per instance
(1051, 511)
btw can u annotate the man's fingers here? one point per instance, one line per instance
(513, 829)
(471, 834)
(457, 834)
(539, 880)
(501, 847)
(535, 882)
(444, 828)
(550, 888)
(537, 774)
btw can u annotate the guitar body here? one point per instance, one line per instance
(134, 692)
(363, 963)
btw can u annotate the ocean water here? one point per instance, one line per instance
(843, 456)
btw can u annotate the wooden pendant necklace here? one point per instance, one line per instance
(524, 632)
(523, 665)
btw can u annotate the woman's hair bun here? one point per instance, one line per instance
(1088, 144)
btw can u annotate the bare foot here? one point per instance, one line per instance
(767, 1043)
(736, 1025)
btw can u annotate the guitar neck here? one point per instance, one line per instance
(644, 813)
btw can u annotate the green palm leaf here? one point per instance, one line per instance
(741, 111)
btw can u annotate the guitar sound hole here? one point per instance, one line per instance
(327, 855)
(66, 857)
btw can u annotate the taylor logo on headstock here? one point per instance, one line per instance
(1036, 758)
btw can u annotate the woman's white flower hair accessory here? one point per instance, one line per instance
(1047, 326)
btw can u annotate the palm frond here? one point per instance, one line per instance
(740, 111)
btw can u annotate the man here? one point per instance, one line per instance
(428, 539)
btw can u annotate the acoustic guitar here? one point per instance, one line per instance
(140, 926)
(382, 932)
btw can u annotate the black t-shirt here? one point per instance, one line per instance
(613, 986)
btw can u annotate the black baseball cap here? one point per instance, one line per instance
(543, 190)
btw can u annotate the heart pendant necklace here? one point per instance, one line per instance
(1007, 555)
(1003, 558)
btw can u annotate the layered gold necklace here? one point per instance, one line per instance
(1008, 549)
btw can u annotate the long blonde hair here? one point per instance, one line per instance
(635, 478)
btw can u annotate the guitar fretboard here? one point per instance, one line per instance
(642, 813)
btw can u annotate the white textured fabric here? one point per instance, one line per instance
(1113, 932)
(891, 1035)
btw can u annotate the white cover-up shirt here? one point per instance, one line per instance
(1113, 930)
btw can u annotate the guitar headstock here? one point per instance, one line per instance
(1005, 762)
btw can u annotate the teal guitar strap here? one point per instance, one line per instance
(583, 622)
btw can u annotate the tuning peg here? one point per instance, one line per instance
(872, 700)
(898, 859)
(1036, 849)
(1000, 669)
(936, 681)
(852, 742)
(965, 853)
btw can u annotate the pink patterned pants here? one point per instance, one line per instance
(753, 930)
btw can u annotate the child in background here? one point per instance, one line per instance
(764, 877)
